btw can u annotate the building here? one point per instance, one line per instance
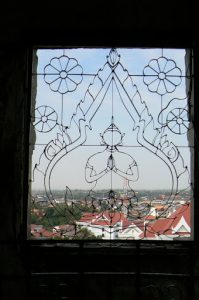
(115, 226)
(176, 226)
(111, 225)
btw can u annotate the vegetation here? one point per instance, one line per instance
(57, 214)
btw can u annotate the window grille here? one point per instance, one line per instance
(113, 148)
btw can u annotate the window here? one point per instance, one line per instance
(112, 142)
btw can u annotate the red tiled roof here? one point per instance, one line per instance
(150, 217)
(162, 226)
(135, 223)
(102, 223)
(88, 217)
(39, 231)
(44, 233)
(182, 211)
(103, 219)
(165, 226)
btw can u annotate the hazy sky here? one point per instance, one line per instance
(91, 158)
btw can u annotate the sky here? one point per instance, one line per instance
(78, 168)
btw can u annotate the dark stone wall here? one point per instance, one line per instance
(100, 23)
(113, 274)
(13, 101)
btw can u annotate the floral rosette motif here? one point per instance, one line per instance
(45, 118)
(162, 76)
(177, 120)
(63, 74)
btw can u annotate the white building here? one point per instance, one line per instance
(108, 225)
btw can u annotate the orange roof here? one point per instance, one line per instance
(164, 226)
(105, 218)
(150, 217)
(135, 223)
(88, 217)
(182, 211)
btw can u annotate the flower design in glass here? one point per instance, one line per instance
(63, 74)
(177, 120)
(162, 75)
(45, 118)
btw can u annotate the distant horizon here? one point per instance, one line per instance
(79, 189)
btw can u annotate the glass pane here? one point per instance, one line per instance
(112, 142)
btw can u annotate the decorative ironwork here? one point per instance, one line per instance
(112, 155)
(178, 121)
(45, 118)
(63, 74)
(162, 76)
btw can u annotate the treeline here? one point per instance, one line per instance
(57, 214)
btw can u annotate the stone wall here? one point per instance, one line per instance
(13, 102)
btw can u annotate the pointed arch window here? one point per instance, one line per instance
(113, 144)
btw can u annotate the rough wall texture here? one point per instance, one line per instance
(12, 99)
(12, 145)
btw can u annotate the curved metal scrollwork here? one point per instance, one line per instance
(106, 211)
